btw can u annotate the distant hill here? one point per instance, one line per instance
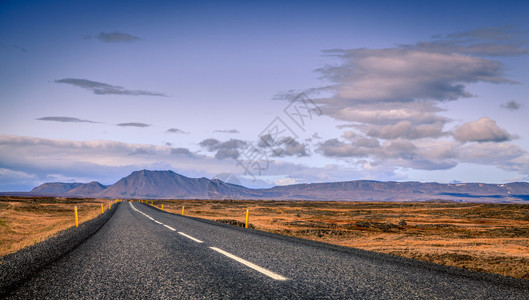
(365, 190)
(55, 188)
(157, 184)
(170, 185)
(87, 189)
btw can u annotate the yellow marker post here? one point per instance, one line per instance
(76, 217)
(247, 216)
(162, 206)
(109, 205)
(183, 210)
(102, 208)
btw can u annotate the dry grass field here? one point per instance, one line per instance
(483, 237)
(26, 221)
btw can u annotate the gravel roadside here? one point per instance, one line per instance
(18, 266)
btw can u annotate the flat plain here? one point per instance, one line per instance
(482, 237)
(26, 221)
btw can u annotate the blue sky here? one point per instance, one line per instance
(272, 92)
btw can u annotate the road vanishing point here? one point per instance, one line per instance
(144, 253)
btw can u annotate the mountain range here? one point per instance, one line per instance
(147, 184)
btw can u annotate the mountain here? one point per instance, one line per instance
(170, 185)
(55, 188)
(93, 188)
(366, 190)
(158, 184)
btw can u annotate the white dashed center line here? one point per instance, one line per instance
(169, 227)
(241, 260)
(190, 237)
(251, 265)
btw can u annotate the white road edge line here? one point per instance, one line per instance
(158, 222)
(251, 265)
(190, 237)
(170, 228)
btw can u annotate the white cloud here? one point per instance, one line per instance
(98, 160)
(482, 130)
(15, 174)
(402, 75)
(386, 113)
(392, 99)
(285, 181)
(405, 129)
(41, 160)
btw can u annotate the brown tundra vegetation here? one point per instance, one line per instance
(482, 237)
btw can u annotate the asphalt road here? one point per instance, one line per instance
(145, 253)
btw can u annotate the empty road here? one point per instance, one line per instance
(145, 253)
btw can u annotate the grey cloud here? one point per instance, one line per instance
(406, 83)
(336, 148)
(65, 120)
(266, 140)
(500, 33)
(227, 153)
(116, 37)
(490, 41)
(425, 164)
(133, 124)
(482, 49)
(232, 143)
(21, 49)
(390, 98)
(399, 148)
(505, 156)
(403, 75)
(482, 130)
(182, 151)
(176, 130)
(367, 142)
(210, 144)
(290, 147)
(511, 105)
(142, 151)
(100, 88)
(425, 155)
(286, 146)
(227, 131)
(293, 95)
(228, 149)
(105, 161)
